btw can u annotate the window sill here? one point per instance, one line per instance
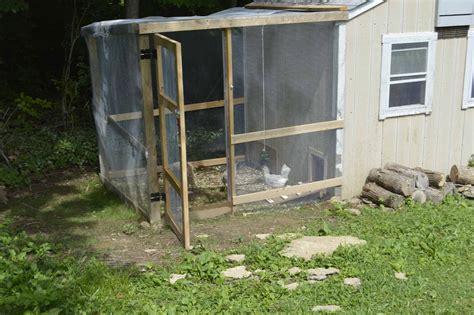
(468, 104)
(404, 111)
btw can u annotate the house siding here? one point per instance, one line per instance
(435, 141)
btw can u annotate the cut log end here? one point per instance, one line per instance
(462, 175)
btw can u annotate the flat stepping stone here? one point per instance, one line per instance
(235, 258)
(238, 272)
(288, 236)
(323, 271)
(294, 271)
(401, 276)
(262, 236)
(176, 277)
(326, 308)
(308, 246)
(354, 282)
(291, 286)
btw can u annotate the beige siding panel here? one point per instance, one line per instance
(426, 15)
(446, 110)
(362, 97)
(432, 121)
(417, 131)
(410, 17)
(403, 140)
(375, 128)
(468, 136)
(350, 136)
(457, 123)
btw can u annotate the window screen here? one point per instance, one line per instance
(408, 74)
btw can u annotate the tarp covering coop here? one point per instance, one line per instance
(237, 107)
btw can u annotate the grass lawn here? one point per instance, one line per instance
(57, 271)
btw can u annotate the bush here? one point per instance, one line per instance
(33, 153)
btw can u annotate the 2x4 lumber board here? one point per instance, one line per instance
(182, 143)
(221, 22)
(150, 134)
(163, 132)
(165, 99)
(288, 131)
(130, 138)
(187, 108)
(288, 190)
(173, 180)
(229, 112)
(296, 6)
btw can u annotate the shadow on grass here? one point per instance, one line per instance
(69, 211)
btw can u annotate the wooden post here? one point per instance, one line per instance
(150, 135)
(229, 111)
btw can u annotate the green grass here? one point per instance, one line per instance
(432, 244)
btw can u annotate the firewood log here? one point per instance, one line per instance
(393, 181)
(382, 196)
(419, 196)
(436, 179)
(448, 189)
(434, 195)
(462, 175)
(421, 179)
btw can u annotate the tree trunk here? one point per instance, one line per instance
(132, 9)
(436, 179)
(421, 180)
(462, 175)
(392, 181)
(380, 195)
(434, 195)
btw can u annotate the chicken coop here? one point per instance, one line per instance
(210, 113)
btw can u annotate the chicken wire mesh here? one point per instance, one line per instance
(283, 77)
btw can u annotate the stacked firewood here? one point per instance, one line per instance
(463, 177)
(394, 183)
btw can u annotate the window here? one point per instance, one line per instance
(468, 80)
(407, 74)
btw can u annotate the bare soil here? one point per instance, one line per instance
(76, 211)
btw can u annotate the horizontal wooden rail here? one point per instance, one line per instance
(287, 131)
(288, 190)
(220, 22)
(295, 6)
(187, 108)
(130, 138)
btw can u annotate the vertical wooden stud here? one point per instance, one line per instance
(150, 135)
(229, 111)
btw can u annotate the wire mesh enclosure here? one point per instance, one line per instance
(220, 111)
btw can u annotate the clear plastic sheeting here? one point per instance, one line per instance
(291, 160)
(121, 142)
(176, 207)
(285, 74)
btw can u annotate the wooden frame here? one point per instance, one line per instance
(313, 152)
(229, 114)
(150, 134)
(287, 131)
(187, 108)
(468, 100)
(288, 190)
(227, 22)
(179, 185)
(313, 7)
(406, 38)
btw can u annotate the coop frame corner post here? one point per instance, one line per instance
(150, 133)
(179, 185)
(229, 113)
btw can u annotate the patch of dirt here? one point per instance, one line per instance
(71, 211)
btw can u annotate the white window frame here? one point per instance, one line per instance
(406, 38)
(468, 101)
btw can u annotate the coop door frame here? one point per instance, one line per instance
(167, 104)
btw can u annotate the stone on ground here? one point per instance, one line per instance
(175, 277)
(401, 276)
(355, 282)
(202, 236)
(316, 278)
(262, 236)
(145, 225)
(291, 286)
(294, 271)
(353, 211)
(326, 308)
(308, 246)
(238, 272)
(323, 271)
(235, 258)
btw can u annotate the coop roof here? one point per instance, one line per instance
(235, 17)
